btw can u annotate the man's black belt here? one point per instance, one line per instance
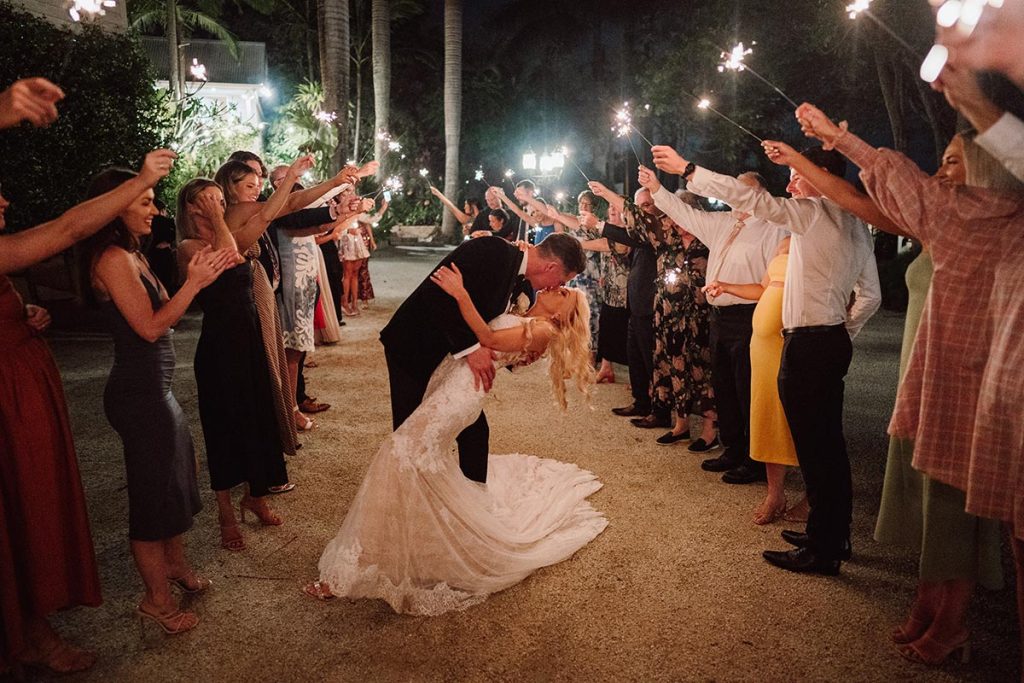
(812, 329)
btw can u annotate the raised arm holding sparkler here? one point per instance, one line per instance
(30, 99)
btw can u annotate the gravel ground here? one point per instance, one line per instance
(674, 589)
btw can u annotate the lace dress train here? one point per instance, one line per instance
(427, 540)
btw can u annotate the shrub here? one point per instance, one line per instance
(111, 115)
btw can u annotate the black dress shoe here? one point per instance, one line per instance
(801, 540)
(630, 411)
(651, 422)
(669, 438)
(745, 474)
(719, 464)
(803, 560)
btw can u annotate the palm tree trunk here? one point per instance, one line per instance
(381, 31)
(173, 55)
(452, 106)
(334, 69)
(359, 109)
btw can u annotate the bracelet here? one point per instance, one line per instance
(829, 145)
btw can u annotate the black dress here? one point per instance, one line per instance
(236, 406)
(160, 464)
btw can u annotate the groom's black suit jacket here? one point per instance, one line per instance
(428, 324)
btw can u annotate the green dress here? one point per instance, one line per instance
(922, 513)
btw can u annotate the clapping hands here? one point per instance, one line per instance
(207, 264)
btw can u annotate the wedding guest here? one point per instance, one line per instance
(958, 441)
(681, 381)
(523, 224)
(353, 252)
(466, 216)
(831, 254)
(163, 495)
(366, 223)
(47, 562)
(640, 296)
(160, 249)
(233, 378)
(481, 220)
(739, 247)
(614, 318)
(589, 281)
(1000, 133)
(770, 439)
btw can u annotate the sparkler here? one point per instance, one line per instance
(565, 153)
(672, 276)
(424, 173)
(704, 104)
(479, 175)
(859, 7)
(734, 60)
(623, 124)
(89, 9)
(326, 116)
(198, 70)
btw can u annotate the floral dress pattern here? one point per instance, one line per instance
(299, 270)
(682, 321)
(590, 282)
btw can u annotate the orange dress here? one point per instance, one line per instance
(47, 561)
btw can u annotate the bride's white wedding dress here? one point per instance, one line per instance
(426, 539)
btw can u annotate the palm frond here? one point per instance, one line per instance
(194, 19)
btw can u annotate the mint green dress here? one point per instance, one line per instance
(922, 513)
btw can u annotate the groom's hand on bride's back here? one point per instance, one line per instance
(481, 362)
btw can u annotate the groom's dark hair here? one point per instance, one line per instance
(564, 248)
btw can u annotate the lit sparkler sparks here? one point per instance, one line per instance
(510, 174)
(89, 9)
(394, 183)
(858, 6)
(478, 175)
(623, 122)
(735, 60)
(198, 70)
(672, 276)
(424, 173)
(394, 146)
(326, 116)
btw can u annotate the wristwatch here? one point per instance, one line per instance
(689, 171)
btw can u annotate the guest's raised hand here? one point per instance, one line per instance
(209, 205)
(588, 220)
(600, 189)
(449, 278)
(779, 152)
(497, 191)
(434, 191)
(647, 178)
(815, 124)
(156, 166)
(37, 317)
(368, 169)
(300, 166)
(669, 160)
(366, 204)
(30, 99)
(348, 175)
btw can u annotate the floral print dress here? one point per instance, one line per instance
(590, 281)
(682, 322)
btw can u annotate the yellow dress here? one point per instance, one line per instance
(770, 440)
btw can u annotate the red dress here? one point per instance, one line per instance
(47, 561)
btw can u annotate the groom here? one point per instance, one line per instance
(428, 326)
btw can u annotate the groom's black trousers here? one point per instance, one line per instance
(407, 389)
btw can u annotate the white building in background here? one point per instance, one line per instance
(240, 82)
(56, 12)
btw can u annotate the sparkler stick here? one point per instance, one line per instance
(858, 7)
(566, 154)
(704, 103)
(734, 60)
(622, 127)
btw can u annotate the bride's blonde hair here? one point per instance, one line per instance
(569, 351)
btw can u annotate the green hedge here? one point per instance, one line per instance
(111, 115)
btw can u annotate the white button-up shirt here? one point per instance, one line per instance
(830, 255)
(1005, 141)
(744, 261)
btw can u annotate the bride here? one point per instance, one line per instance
(426, 539)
